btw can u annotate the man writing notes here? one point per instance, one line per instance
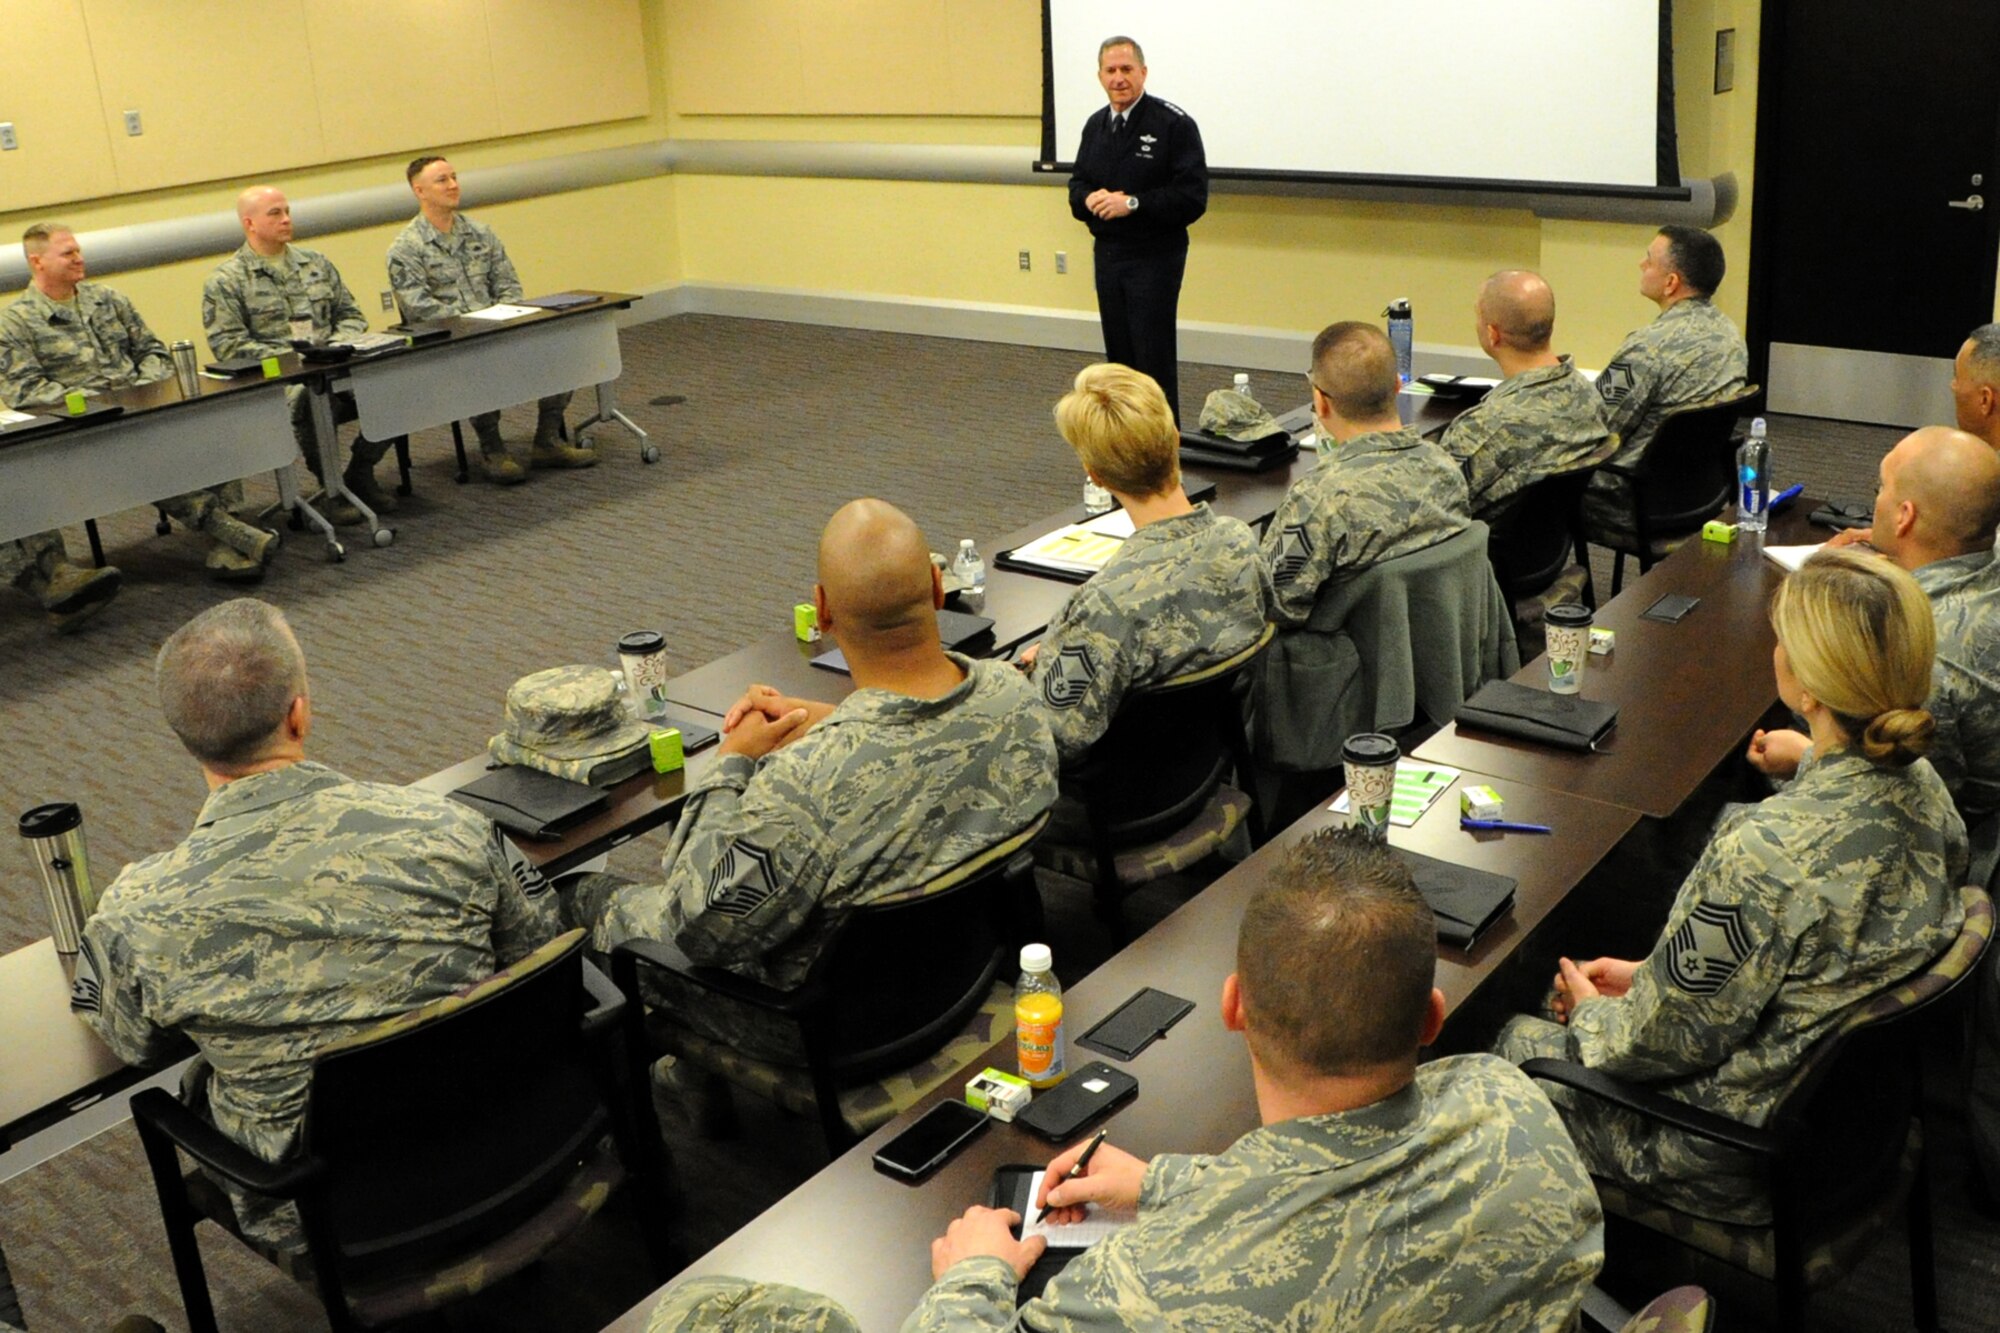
(1141, 177)
(1377, 1194)
(444, 264)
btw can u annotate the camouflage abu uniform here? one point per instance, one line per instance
(1371, 499)
(303, 908)
(1804, 904)
(1691, 353)
(247, 308)
(1458, 1203)
(1540, 423)
(724, 1303)
(438, 274)
(1181, 594)
(1965, 689)
(50, 348)
(884, 794)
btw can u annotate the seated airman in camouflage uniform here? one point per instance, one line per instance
(1380, 490)
(1377, 1195)
(810, 808)
(1936, 511)
(303, 908)
(444, 264)
(1543, 419)
(64, 336)
(271, 291)
(1690, 354)
(1975, 384)
(1184, 592)
(1804, 904)
(732, 1303)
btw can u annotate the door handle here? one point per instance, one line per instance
(1971, 204)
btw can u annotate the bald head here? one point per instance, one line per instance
(1940, 497)
(875, 574)
(266, 216)
(1518, 309)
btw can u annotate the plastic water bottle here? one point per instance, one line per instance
(1096, 500)
(1038, 1018)
(1753, 473)
(1402, 336)
(1242, 384)
(969, 568)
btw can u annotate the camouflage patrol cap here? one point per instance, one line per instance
(1237, 416)
(733, 1303)
(567, 721)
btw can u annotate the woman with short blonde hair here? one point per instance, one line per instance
(1184, 592)
(1805, 904)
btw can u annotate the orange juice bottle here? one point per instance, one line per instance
(1038, 1018)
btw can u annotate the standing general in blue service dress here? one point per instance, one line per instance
(1141, 177)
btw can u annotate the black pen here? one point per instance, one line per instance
(1077, 1169)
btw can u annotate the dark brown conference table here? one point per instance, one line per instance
(1195, 1093)
(1020, 604)
(1687, 693)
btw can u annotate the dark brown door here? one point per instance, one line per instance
(1877, 211)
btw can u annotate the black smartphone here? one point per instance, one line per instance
(1094, 1090)
(1670, 608)
(1136, 1024)
(927, 1145)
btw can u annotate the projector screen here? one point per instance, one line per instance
(1569, 96)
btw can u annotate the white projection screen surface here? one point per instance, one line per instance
(1570, 94)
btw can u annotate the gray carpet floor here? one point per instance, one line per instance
(412, 648)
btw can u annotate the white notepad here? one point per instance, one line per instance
(1097, 1223)
(501, 311)
(1790, 557)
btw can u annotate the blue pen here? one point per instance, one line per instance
(1503, 826)
(1784, 497)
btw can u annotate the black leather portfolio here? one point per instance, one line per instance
(529, 802)
(1569, 721)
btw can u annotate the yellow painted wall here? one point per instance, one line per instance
(617, 237)
(1261, 262)
(1257, 261)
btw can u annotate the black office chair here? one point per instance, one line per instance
(1841, 1152)
(441, 1150)
(1155, 792)
(1685, 477)
(905, 994)
(1530, 540)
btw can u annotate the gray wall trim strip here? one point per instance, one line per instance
(147, 244)
(1252, 348)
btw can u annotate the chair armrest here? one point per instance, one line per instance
(217, 1152)
(607, 1001)
(1654, 1106)
(626, 958)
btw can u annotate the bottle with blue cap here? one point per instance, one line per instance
(1402, 337)
(1753, 480)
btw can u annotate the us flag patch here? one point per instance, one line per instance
(1708, 949)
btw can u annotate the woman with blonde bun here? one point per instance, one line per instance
(1810, 901)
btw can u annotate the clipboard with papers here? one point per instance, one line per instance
(1073, 552)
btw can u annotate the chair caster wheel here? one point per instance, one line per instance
(335, 553)
(383, 536)
(649, 453)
